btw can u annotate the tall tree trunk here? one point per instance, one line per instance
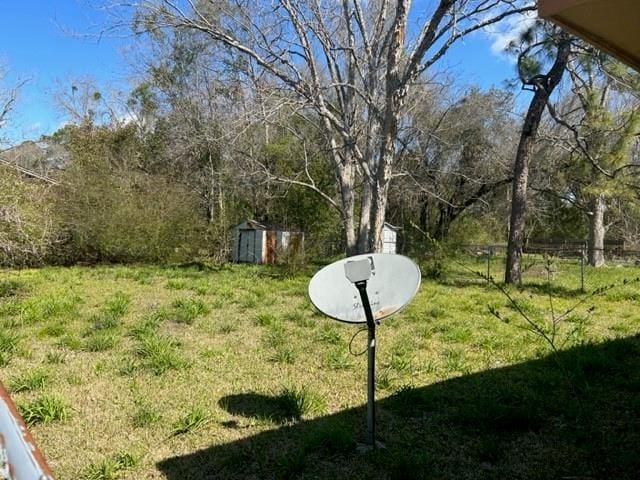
(543, 89)
(445, 217)
(346, 180)
(597, 208)
(378, 211)
(395, 92)
(423, 220)
(365, 217)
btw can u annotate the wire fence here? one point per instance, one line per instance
(566, 262)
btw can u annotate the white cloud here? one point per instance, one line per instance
(503, 33)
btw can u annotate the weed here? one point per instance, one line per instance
(100, 367)
(275, 337)
(436, 312)
(218, 303)
(56, 329)
(330, 334)
(159, 354)
(525, 306)
(401, 357)
(111, 467)
(384, 380)
(44, 409)
(186, 310)
(337, 359)
(145, 416)
(129, 366)
(11, 288)
(284, 354)
(10, 307)
(212, 353)
(455, 361)
(176, 284)
(118, 305)
(296, 403)
(55, 358)
(147, 327)
(50, 306)
(74, 379)
(458, 334)
(248, 301)
(9, 341)
(299, 317)
(100, 342)
(70, 341)
(105, 321)
(32, 380)
(265, 318)
(193, 421)
(227, 327)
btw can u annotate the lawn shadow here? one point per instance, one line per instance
(525, 421)
(262, 407)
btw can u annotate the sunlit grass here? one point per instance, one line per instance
(74, 341)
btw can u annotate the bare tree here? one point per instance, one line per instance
(8, 98)
(460, 151)
(349, 65)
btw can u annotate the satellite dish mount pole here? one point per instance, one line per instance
(371, 364)
(359, 272)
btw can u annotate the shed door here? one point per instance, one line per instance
(247, 246)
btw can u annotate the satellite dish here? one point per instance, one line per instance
(366, 289)
(393, 283)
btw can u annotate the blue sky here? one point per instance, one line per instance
(37, 45)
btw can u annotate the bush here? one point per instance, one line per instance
(115, 212)
(28, 226)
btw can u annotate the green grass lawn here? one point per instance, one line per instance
(149, 372)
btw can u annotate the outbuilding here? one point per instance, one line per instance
(389, 238)
(255, 242)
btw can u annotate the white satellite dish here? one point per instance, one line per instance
(394, 281)
(366, 289)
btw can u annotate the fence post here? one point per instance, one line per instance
(488, 249)
(582, 253)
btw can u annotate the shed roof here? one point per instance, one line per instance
(392, 227)
(254, 225)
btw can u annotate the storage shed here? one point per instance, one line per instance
(389, 238)
(254, 242)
